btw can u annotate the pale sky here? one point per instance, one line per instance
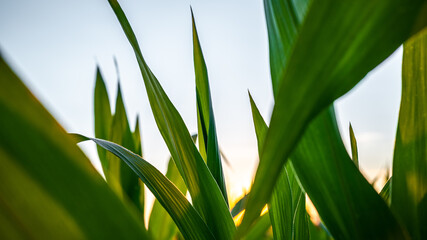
(54, 46)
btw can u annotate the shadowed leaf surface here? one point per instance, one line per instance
(409, 188)
(49, 189)
(161, 225)
(287, 204)
(182, 212)
(337, 44)
(205, 192)
(208, 143)
(348, 205)
(102, 116)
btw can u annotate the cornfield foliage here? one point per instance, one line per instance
(319, 50)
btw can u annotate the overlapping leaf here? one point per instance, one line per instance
(386, 192)
(161, 225)
(346, 202)
(239, 206)
(208, 143)
(260, 229)
(102, 116)
(116, 128)
(170, 197)
(49, 189)
(334, 47)
(127, 182)
(409, 187)
(205, 193)
(287, 204)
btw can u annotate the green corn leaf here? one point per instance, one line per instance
(300, 220)
(239, 206)
(261, 127)
(353, 143)
(337, 44)
(281, 208)
(386, 192)
(409, 188)
(49, 189)
(208, 143)
(205, 193)
(170, 197)
(120, 175)
(283, 18)
(346, 202)
(137, 138)
(161, 225)
(287, 219)
(318, 232)
(260, 229)
(102, 116)
(138, 150)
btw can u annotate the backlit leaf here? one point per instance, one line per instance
(208, 143)
(337, 44)
(103, 116)
(205, 192)
(182, 212)
(353, 143)
(348, 205)
(409, 188)
(49, 189)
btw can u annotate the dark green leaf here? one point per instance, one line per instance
(138, 150)
(103, 116)
(261, 127)
(205, 193)
(239, 206)
(185, 216)
(49, 189)
(161, 225)
(346, 202)
(120, 176)
(208, 143)
(300, 220)
(353, 143)
(287, 218)
(318, 232)
(337, 44)
(137, 138)
(409, 188)
(281, 208)
(386, 192)
(283, 18)
(260, 229)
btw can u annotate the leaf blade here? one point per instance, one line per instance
(207, 129)
(102, 116)
(161, 225)
(31, 143)
(183, 213)
(288, 217)
(409, 188)
(205, 193)
(353, 143)
(346, 202)
(356, 40)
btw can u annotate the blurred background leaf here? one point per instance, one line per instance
(409, 186)
(49, 188)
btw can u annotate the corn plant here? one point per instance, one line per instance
(319, 50)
